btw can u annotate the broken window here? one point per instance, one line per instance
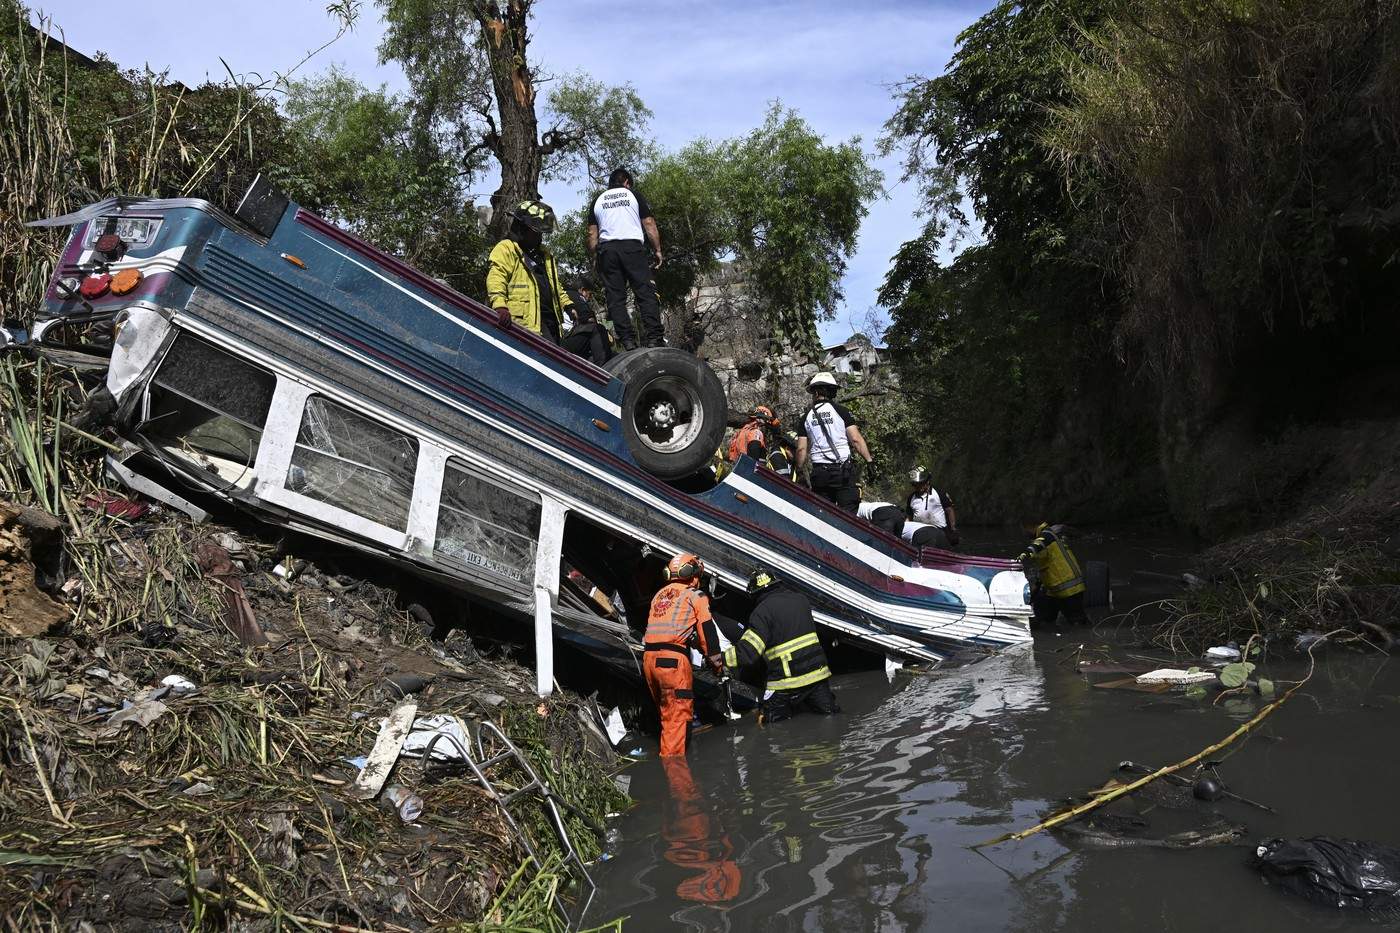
(485, 526)
(209, 406)
(354, 463)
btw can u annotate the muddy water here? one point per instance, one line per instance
(864, 821)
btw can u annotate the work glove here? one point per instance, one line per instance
(502, 317)
(954, 539)
(716, 662)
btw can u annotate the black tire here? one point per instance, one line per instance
(673, 410)
(1097, 592)
(620, 364)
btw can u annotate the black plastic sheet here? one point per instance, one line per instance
(1337, 872)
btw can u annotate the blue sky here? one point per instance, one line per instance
(704, 68)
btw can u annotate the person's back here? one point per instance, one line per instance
(783, 636)
(620, 224)
(884, 515)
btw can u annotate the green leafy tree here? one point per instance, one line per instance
(1002, 345)
(358, 161)
(475, 88)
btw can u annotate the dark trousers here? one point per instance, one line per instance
(589, 341)
(1047, 608)
(624, 263)
(784, 704)
(930, 537)
(889, 518)
(836, 483)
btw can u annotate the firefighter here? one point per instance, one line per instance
(752, 438)
(782, 634)
(1057, 582)
(522, 281)
(831, 434)
(679, 620)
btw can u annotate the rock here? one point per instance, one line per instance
(26, 538)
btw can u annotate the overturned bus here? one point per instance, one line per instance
(274, 361)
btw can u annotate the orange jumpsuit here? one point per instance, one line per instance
(679, 612)
(739, 444)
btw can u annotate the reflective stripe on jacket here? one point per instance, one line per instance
(781, 633)
(510, 282)
(1060, 574)
(678, 611)
(739, 444)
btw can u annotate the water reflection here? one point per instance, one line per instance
(825, 823)
(696, 841)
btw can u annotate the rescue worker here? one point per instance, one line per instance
(883, 515)
(922, 535)
(679, 620)
(782, 634)
(588, 339)
(1057, 582)
(620, 225)
(931, 507)
(752, 438)
(831, 433)
(783, 454)
(522, 281)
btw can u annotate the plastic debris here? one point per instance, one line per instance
(1177, 678)
(141, 714)
(891, 667)
(1340, 873)
(1223, 653)
(426, 728)
(392, 732)
(617, 729)
(408, 804)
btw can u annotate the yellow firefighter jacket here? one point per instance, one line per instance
(510, 282)
(1058, 568)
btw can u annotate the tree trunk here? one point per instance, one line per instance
(516, 146)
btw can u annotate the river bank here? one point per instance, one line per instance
(1333, 568)
(186, 710)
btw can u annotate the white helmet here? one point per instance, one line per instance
(918, 475)
(821, 379)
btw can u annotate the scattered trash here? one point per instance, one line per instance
(425, 731)
(177, 685)
(1340, 873)
(622, 782)
(616, 728)
(116, 506)
(1224, 653)
(408, 804)
(1175, 677)
(387, 744)
(406, 683)
(637, 754)
(1208, 787)
(141, 714)
(199, 789)
(1131, 683)
(238, 612)
(891, 668)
